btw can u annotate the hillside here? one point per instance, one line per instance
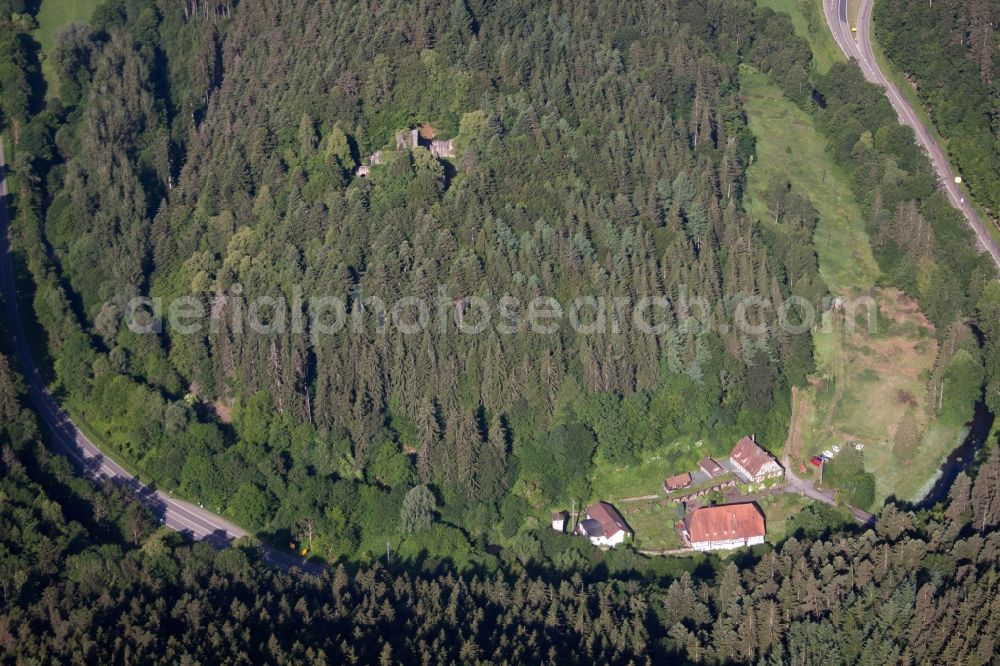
(950, 55)
(878, 380)
(610, 171)
(86, 574)
(384, 287)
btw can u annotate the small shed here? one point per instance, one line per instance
(677, 482)
(711, 468)
(559, 521)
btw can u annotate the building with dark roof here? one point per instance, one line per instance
(603, 525)
(711, 468)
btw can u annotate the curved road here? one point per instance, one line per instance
(199, 523)
(861, 51)
(184, 517)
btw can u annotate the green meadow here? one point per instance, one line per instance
(53, 15)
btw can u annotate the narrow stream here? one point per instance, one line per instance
(959, 459)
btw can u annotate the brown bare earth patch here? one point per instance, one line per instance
(221, 411)
(865, 384)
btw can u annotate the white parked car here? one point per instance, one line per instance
(835, 448)
(858, 445)
(828, 454)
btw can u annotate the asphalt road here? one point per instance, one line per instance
(860, 49)
(199, 523)
(193, 521)
(798, 486)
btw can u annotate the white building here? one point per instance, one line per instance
(752, 463)
(604, 526)
(559, 521)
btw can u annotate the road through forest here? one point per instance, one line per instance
(860, 50)
(184, 517)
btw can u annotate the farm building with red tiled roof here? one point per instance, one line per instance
(725, 526)
(677, 482)
(752, 463)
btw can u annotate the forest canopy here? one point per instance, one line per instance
(597, 150)
(950, 53)
(87, 573)
(223, 151)
(211, 151)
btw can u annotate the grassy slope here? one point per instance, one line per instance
(862, 382)
(613, 483)
(52, 15)
(789, 147)
(861, 391)
(807, 17)
(777, 510)
(654, 524)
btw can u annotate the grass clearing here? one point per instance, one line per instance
(865, 383)
(613, 483)
(53, 15)
(807, 18)
(789, 147)
(654, 524)
(777, 510)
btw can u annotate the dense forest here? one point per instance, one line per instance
(87, 575)
(209, 149)
(600, 152)
(950, 52)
